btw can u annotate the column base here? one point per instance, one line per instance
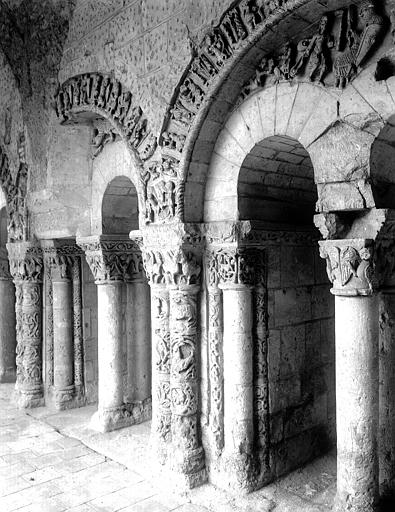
(63, 398)
(187, 468)
(106, 420)
(355, 503)
(240, 473)
(28, 398)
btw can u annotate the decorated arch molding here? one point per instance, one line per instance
(329, 47)
(15, 194)
(107, 97)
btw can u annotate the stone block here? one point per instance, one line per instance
(227, 147)
(284, 393)
(355, 195)
(274, 267)
(313, 345)
(292, 350)
(274, 354)
(250, 111)
(323, 116)
(342, 154)
(297, 266)
(374, 92)
(228, 210)
(302, 110)
(267, 107)
(292, 305)
(322, 302)
(238, 129)
(285, 98)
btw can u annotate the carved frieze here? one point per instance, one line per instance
(343, 40)
(105, 95)
(350, 267)
(113, 260)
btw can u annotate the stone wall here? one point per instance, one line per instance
(143, 42)
(300, 356)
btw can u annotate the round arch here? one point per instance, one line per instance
(276, 111)
(114, 162)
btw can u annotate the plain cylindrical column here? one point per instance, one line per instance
(160, 338)
(238, 380)
(139, 341)
(386, 391)
(7, 331)
(109, 352)
(357, 401)
(63, 342)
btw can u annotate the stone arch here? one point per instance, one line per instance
(120, 207)
(82, 97)
(276, 111)
(113, 162)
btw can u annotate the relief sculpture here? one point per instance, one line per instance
(106, 95)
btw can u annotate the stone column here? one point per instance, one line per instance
(112, 262)
(26, 266)
(7, 322)
(174, 275)
(235, 278)
(357, 371)
(160, 334)
(77, 329)
(238, 374)
(63, 348)
(139, 340)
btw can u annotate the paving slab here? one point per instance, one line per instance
(54, 462)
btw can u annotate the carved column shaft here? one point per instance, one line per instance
(260, 365)
(161, 412)
(49, 362)
(77, 328)
(183, 380)
(26, 268)
(215, 333)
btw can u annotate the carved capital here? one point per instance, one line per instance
(350, 267)
(26, 261)
(113, 259)
(4, 265)
(173, 267)
(59, 257)
(234, 266)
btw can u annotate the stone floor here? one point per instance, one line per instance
(53, 462)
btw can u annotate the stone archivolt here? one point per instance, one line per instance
(106, 96)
